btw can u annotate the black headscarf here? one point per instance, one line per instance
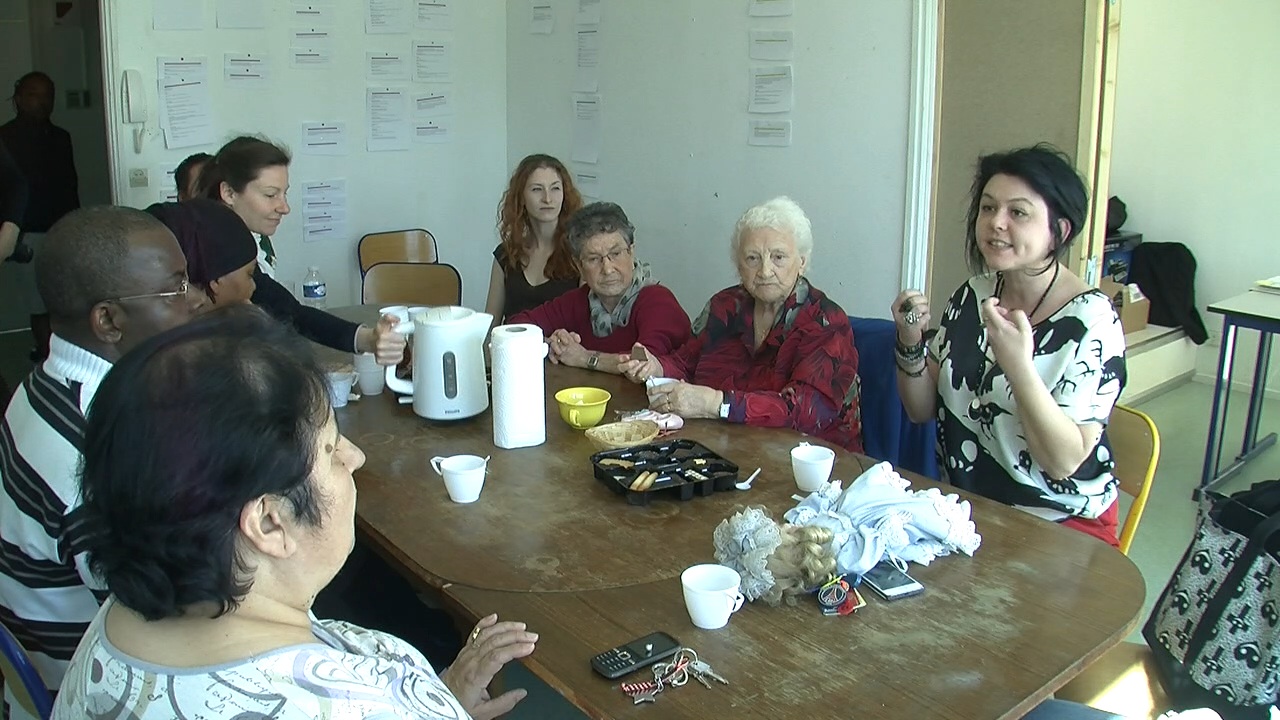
(213, 237)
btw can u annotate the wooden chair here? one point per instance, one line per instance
(414, 246)
(1123, 681)
(21, 677)
(395, 283)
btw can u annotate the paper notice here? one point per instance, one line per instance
(316, 14)
(387, 119)
(771, 89)
(587, 182)
(586, 128)
(182, 68)
(186, 113)
(542, 17)
(587, 78)
(437, 103)
(772, 44)
(775, 133)
(386, 66)
(433, 131)
(245, 69)
(386, 16)
(306, 57)
(324, 138)
(588, 12)
(771, 8)
(432, 62)
(433, 14)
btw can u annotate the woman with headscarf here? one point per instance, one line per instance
(221, 254)
(595, 325)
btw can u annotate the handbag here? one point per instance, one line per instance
(1215, 631)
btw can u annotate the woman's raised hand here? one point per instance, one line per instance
(492, 645)
(640, 365)
(911, 316)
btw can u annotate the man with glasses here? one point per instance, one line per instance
(111, 277)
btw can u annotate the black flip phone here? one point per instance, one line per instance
(641, 652)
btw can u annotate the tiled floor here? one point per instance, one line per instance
(1182, 416)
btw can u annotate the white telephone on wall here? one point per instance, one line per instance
(133, 100)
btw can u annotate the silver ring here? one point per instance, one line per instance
(911, 318)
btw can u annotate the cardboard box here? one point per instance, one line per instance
(1131, 305)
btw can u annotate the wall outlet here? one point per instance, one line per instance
(138, 177)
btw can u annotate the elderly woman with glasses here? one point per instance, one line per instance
(596, 325)
(218, 501)
(771, 351)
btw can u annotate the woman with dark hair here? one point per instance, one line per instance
(1029, 360)
(620, 305)
(221, 255)
(251, 176)
(187, 175)
(218, 500)
(533, 264)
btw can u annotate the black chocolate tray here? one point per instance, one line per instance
(685, 468)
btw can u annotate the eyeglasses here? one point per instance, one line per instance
(180, 292)
(597, 261)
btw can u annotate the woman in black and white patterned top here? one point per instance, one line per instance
(1029, 360)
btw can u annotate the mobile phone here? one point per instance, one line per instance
(641, 652)
(891, 583)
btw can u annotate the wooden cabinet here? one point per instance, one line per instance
(1014, 73)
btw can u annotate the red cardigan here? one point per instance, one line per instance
(657, 321)
(804, 376)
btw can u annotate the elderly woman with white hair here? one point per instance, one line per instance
(773, 350)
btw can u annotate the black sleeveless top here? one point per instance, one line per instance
(521, 296)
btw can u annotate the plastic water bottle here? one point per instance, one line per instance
(313, 288)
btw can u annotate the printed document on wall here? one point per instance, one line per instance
(177, 14)
(182, 68)
(542, 17)
(242, 14)
(771, 89)
(588, 12)
(775, 133)
(387, 119)
(386, 16)
(433, 131)
(432, 62)
(312, 14)
(437, 103)
(587, 180)
(586, 128)
(245, 69)
(771, 8)
(772, 44)
(324, 138)
(587, 78)
(186, 113)
(386, 66)
(433, 14)
(324, 210)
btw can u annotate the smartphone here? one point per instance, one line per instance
(641, 652)
(891, 583)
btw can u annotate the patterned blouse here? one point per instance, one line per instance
(348, 673)
(804, 376)
(1079, 355)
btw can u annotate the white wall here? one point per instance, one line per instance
(673, 79)
(449, 189)
(1195, 148)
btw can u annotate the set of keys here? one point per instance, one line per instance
(685, 664)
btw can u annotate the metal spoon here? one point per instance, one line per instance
(746, 484)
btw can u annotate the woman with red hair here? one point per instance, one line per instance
(533, 264)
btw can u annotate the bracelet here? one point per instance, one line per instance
(909, 373)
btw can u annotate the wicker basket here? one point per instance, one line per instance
(622, 434)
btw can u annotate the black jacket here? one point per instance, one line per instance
(1166, 272)
(312, 323)
(43, 151)
(13, 189)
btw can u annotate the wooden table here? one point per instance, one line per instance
(991, 637)
(1255, 310)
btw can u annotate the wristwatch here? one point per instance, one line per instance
(593, 361)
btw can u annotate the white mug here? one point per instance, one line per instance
(711, 594)
(812, 465)
(401, 312)
(369, 374)
(340, 388)
(463, 475)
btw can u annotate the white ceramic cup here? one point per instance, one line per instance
(711, 594)
(340, 388)
(463, 476)
(654, 382)
(812, 465)
(400, 311)
(369, 374)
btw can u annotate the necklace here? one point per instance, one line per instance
(987, 361)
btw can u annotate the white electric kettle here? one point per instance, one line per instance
(448, 363)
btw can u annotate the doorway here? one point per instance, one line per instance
(61, 38)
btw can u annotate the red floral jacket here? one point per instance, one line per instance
(804, 376)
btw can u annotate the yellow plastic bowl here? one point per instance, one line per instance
(582, 407)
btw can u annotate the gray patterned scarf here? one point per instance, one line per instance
(604, 322)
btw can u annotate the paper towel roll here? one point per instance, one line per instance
(519, 395)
